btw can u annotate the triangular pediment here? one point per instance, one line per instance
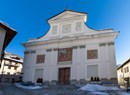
(67, 14)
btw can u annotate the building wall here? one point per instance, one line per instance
(106, 61)
(123, 73)
(2, 37)
(12, 71)
(10, 68)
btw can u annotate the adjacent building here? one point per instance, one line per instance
(11, 68)
(123, 72)
(6, 35)
(71, 52)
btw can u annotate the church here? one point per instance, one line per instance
(70, 52)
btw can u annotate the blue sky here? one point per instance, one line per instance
(29, 17)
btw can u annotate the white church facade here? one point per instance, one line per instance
(70, 51)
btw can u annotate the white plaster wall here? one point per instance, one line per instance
(112, 64)
(79, 61)
(102, 65)
(127, 74)
(28, 68)
(74, 65)
(53, 65)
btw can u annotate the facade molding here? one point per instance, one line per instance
(110, 43)
(102, 44)
(48, 50)
(82, 46)
(74, 47)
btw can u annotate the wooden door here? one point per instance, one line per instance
(64, 75)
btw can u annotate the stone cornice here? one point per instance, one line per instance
(65, 39)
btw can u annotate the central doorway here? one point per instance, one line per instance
(64, 75)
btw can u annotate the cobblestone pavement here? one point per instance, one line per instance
(10, 89)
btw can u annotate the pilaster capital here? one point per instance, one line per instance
(102, 44)
(48, 50)
(82, 46)
(110, 43)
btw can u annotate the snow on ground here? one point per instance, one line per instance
(123, 93)
(27, 87)
(98, 93)
(95, 87)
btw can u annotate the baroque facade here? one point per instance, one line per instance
(70, 51)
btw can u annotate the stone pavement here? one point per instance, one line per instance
(10, 89)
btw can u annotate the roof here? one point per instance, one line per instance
(124, 63)
(14, 60)
(10, 33)
(13, 57)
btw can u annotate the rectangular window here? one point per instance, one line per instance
(9, 67)
(15, 68)
(40, 59)
(92, 54)
(66, 28)
(65, 54)
(127, 69)
(54, 29)
(8, 73)
(121, 69)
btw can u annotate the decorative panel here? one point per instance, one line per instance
(40, 59)
(54, 29)
(92, 54)
(78, 26)
(65, 54)
(66, 28)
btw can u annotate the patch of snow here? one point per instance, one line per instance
(124, 93)
(27, 87)
(95, 87)
(98, 93)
